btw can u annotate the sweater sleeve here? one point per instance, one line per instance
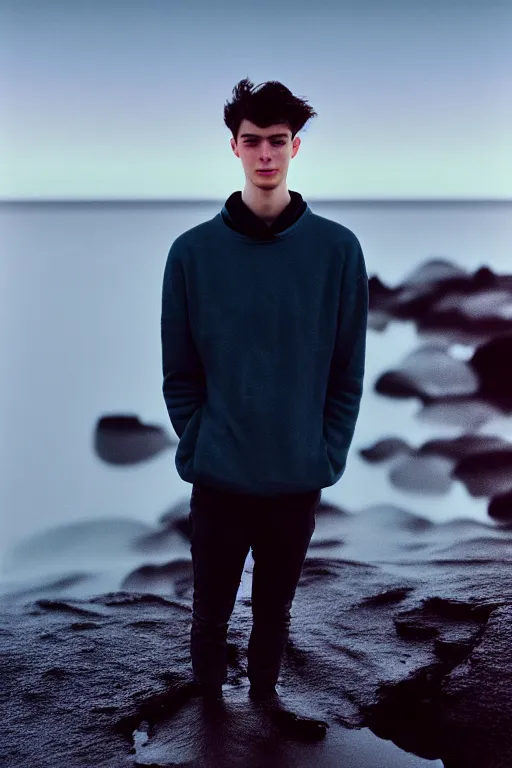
(345, 385)
(184, 382)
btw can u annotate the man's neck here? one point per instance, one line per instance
(267, 210)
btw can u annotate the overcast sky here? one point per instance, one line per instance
(106, 99)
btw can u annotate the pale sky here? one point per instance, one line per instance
(106, 99)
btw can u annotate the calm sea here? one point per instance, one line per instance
(80, 337)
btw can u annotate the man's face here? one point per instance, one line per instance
(265, 148)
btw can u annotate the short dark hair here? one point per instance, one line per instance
(273, 103)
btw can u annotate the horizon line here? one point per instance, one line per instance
(214, 201)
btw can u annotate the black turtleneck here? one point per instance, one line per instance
(243, 220)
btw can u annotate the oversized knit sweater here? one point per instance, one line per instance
(263, 334)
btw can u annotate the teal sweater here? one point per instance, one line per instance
(263, 354)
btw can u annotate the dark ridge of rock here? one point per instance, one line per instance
(57, 672)
(408, 713)
(123, 439)
(65, 606)
(500, 507)
(460, 610)
(486, 473)
(470, 694)
(173, 524)
(155, 542)
(398, 385)
(324, 566)
(81, 625)
(491, 362)
(319, 544)
(177, 512)
(175, 577)
(388, 596)
(379, 290)
(424, 622)
(328, 510)
(130, 598)
(384, 449)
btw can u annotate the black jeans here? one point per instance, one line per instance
(224, 526)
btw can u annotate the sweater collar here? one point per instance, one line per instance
(239, 216)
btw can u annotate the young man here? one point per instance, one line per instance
(263, 327)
